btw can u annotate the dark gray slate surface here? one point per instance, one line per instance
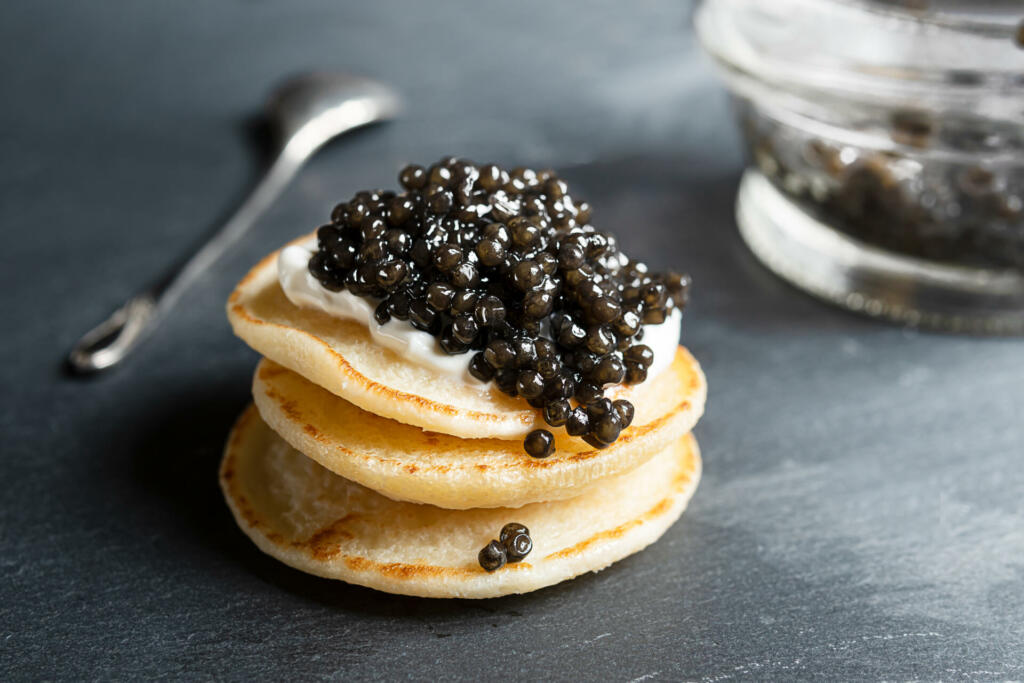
(861, 514)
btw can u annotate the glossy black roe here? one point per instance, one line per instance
(505, 265)
(540, 443)
(510, 530)
(518, 547)
(493, 556)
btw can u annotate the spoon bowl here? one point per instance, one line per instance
(315, 108)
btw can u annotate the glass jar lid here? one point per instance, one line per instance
(937, 54)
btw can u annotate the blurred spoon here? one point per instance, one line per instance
(307, 111)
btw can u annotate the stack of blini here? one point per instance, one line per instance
(356, 464)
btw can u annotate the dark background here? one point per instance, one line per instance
(861, 513)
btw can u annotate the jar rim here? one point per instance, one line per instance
(868, 49)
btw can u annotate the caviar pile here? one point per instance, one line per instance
(909, 200)
(504, 264)
(513, 544)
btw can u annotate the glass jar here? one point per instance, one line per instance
(886, 147)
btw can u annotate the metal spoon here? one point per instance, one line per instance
(308, 111)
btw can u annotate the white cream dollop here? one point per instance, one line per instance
(417, 346)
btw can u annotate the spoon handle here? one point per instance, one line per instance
(111, 341)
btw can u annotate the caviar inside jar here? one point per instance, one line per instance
(504, 265)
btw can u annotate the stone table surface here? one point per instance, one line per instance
(861, 515)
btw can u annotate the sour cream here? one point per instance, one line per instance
(417, 346)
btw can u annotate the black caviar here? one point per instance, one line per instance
(511, 529)
(518, 547)
(513, 544)
(505, 265)
(540, 443)
(933, 195)
(492, 556)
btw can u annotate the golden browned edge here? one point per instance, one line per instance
(526, 417)
(322, 543)
(683, 365)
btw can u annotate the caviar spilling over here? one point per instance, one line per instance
(514, 543)
(505, 265)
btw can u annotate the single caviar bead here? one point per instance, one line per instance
(381, 314)
(440, 202)
(610, 370)
(339, 214)
(464, 301)
(489, 311)
(578, 423)
(398, 241)
(556, 413)
(465, 275)
(625, 410)
(605, 310)
(572, 335)
(400, 210)
(447, 257)
(570, 255)
(561, 386)
(588, 392)
(607, 427)
(440, 175)
(545, 348)
(391, 274)
(588, 291)
(538, 304)
(480, 369)
(497, 232)
(524, 233)
(464, 328)
(421, 315)
(539, 443)
(506, 380)
(600, 340)
(398, 305)
(511, 529)
(635, 373)
(547, 262)
(491, 252)
(372, 227)
(525, 350)
(413, 177)
(491, 178)
(530, 384)
(499, 354)
(493, 556)
(599, 408)
(518, 547)
(640, 354)
(439, 296)
(451, 345)
(627, 324)
(373, 250)
(526, 275)
(548, 367)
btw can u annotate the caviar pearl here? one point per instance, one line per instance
(578, 423)
(518, 547)
(511, 529)
(625, 411)
(556, 413)
(493, 556)
(539, 443)
(413, 177)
